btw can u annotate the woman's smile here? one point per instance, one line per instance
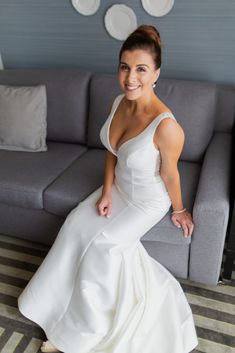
(131, 87)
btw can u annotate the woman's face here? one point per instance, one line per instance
(137, 73)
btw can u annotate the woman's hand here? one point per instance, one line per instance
(183, 220)
(104, 204)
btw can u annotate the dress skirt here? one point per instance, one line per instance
(98, 290)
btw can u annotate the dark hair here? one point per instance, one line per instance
(144, 37)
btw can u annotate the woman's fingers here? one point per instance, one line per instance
(104, 208)
(185, 223)
(176, 223)
(188, 228)
(108, 213)
(191, 227)
(185, 229)
(101, 208)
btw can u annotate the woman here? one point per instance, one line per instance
(98, 290)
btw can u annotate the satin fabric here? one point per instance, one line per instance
(98, 290)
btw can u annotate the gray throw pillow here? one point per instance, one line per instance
(23, 113)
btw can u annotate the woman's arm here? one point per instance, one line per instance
(169, 137)
(110, 163)
(104, 203)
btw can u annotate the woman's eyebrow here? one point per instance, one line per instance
(136, 65)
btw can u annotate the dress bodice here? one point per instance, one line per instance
(138, 159)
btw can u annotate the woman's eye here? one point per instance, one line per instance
(123, 67)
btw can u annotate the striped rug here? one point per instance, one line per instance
(213, 306)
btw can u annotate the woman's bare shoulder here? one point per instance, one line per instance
(169, 131)
(168, 125)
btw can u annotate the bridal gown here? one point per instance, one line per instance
(98, 290)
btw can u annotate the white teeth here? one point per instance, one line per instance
(131, 88)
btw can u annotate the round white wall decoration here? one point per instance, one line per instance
(157, 8)
(120, 20)
(86, 7)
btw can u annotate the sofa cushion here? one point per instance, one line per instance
(23, 118)
(174, 257)
(193, 104)
(67, 99)
(25, 176)
(75, 183)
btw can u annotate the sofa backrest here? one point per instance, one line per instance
(193, 103)
(67, 99)
(103, 89)
(78, 102)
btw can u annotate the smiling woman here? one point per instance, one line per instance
(106, 294)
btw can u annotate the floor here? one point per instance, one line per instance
(213, 306)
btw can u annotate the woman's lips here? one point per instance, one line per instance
(131, 88)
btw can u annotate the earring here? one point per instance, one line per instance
(154, 85)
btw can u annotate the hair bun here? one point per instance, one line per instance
(144, 37)
(149, 31)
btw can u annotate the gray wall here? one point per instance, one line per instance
(198, 37)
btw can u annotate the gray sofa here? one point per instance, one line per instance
(38, 190)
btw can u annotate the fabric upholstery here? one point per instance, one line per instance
(76, 183)
(67, 99)
(211, 211)
(23, 118)
(25, 176)
(103, 90)
(32, 224)
(164, 231)
(194, 105)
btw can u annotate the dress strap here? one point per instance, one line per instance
(115, 104)
(159, 118)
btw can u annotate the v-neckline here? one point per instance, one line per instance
(132, 138)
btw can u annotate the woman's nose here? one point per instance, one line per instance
(131, 76)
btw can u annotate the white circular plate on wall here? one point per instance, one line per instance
(157, 7)
(86, 7)
(120, 20)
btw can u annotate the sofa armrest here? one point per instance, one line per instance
(211, 211)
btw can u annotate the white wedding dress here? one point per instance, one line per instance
(98, 289)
